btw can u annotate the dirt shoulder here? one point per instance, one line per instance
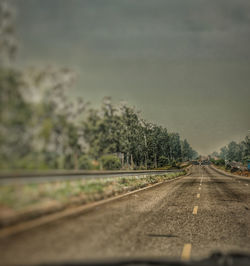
(239, 173)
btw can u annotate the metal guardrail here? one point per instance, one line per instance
(77, 173)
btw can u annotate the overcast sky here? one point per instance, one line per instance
(184, 63)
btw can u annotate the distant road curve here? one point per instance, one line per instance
(51, 176)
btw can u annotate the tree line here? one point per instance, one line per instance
(40, 128)
(140, 144)
(238, 152)
(52, 132)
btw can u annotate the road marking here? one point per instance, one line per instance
(195, 210)
(246, 184)
(199, 188)
(186, 252)
(198, 195)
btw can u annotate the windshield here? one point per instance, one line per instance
(124, 130)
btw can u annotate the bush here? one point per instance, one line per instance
(34, 161)
(220, 162)
(85, 163)
(173, 164)
(110, 162)
(163, 161)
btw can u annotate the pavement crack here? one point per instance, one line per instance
(162, 235)
(231, 200)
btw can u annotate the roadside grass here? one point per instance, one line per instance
(31, 198)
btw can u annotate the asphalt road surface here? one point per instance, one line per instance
(189, 217)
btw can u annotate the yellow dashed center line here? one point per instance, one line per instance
(186, 252)
(195, 210)
(198, 195)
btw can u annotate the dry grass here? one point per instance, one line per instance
(17, 201)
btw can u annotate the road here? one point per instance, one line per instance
(191, 216)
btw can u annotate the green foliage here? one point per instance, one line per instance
(187, 152)
(110, 162)
(143, 145)
(8, 44)
(220, 162)
(85, 163)
(45, 134)
(174, 164)
(163, 161)
(239, 152)
(15, 118)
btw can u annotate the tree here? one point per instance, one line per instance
(175, 147)
(8, 44)
(224, 153)
(239, 152)
(15, 118)
(246, 148)
(186, 150)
